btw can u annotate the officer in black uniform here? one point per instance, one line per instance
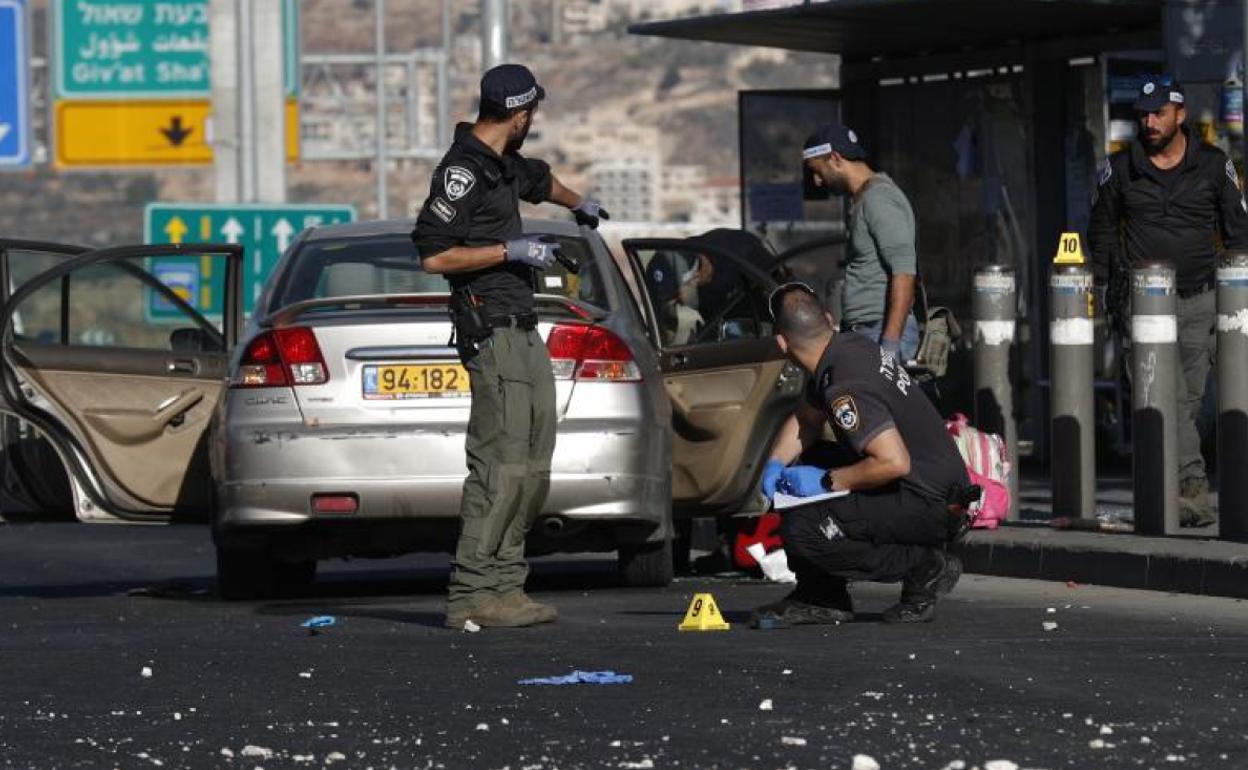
(908, 486)
(1171, 196)
(470, 230)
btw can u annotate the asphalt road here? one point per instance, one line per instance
(1125, 679)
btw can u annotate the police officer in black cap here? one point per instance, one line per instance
(469, 229)
(1171, 196)
(908, 487)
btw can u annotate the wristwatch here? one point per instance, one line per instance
(828, 482)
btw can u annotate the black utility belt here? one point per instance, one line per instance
(523, 321)
(1192, 291)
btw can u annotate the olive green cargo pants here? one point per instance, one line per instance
(511, 437)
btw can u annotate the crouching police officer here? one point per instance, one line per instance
(469, 229)
(909, 485)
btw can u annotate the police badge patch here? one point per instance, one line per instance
(458, 181)
(845, 413)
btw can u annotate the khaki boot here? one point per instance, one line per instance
(462, 617)
(520, 600)
(492, 613)
(1195, 508)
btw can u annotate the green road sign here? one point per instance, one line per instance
(264, 230)
(132, 49)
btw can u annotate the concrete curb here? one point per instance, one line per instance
(1175, 565)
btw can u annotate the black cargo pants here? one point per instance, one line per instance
(876, 535)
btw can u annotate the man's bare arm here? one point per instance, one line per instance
(900, 301)
(797, 433)
(886, 459)
(465, 259)
(563, 195)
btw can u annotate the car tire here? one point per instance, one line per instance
(254, 573)
(646, 566)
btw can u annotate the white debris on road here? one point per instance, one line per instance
(766, 705)
(789, 740)
(864, 762)
(645, 764)
(1000, 764)
(256, 752)
(1049, 626)
(146, 672)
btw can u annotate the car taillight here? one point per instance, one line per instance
(282, 357)
(590, 353)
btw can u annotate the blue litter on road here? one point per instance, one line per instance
(583, 677)
(320, 621)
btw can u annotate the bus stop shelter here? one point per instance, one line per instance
(992, 114)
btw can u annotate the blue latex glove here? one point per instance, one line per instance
(538, 251)
(802, 481)
(771, 477)
(588, 212)
(892, 347)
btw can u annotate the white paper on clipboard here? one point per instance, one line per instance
(781, 501)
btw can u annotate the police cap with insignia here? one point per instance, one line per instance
(831, 138)
(1156, 92)
(510, 87)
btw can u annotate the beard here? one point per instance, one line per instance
(1158, 141)
(516, 141)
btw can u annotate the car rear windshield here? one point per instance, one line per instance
(348, 267)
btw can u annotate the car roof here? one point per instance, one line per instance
(393, 227)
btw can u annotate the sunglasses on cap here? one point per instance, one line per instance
(778, 294)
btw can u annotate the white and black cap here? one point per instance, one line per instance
(1156, 92)
(511, 87)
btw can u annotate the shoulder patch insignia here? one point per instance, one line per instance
(443, 210)
(845, 413)
(458, 181)
(1106, 173)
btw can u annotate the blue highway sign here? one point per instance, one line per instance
(14, 85)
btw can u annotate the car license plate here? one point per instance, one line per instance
(406, 381)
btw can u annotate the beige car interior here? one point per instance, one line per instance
(144, 431)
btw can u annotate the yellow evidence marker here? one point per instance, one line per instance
(703, 615)
(1069, 250)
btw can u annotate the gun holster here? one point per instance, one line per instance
(468, 325)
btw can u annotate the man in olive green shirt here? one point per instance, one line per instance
(881, 262)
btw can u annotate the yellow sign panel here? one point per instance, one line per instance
(703, 615)
(144, 133)
(1069, 250)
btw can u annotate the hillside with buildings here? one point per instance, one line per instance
(648, 125)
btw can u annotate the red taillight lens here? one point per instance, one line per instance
(282, 357)
(592, 353)
(335, 503)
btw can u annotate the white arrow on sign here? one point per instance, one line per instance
(5, 128)
(233, 230)
(282, 231)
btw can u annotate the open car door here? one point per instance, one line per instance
(32, 483)
(729, 385)
(120, 357)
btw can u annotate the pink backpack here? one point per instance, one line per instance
(987, 465)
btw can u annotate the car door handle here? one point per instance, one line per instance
(679, 359)
(183, 366)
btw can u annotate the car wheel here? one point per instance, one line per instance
(254, 573)
(646, 566)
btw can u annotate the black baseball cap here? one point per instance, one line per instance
(1158, 91)
(511, 87)
(831, 138)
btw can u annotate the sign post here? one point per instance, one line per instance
(14, 85)
(264, 231)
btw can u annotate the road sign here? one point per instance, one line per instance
(126, 49)
(143, 133)
(264, 230)
(14, 85)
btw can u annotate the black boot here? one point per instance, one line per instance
(796, 609)
(934, 577)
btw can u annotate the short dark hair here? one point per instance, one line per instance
(489, 112)
(801, 317)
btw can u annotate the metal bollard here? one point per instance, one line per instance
(1233, 397)
(1154, 399)
(1073, 444)
(994, 307)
